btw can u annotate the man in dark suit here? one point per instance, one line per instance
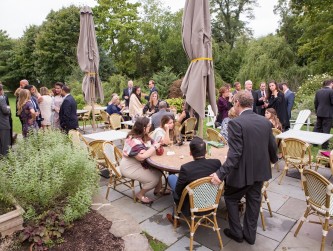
(198, 168)
(246, 167)
(324, 109)
(152, 88)
(256, 101)
(67, 113)
(289, 97)
(127, 92)
(261, 93)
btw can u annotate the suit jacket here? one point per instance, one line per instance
(260, 109)
(324, 102)
(192, 171)
(4, 114)
(156, 117)
(256, 101)
(126, 93)
(252, 148)
(154, 89)
(289, 97)
(67, 114)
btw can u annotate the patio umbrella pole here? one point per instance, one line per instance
(92, 86)
(200, 128)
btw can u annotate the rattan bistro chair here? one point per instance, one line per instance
(278, 143)
(106, 119)
(319, 199)
(86, 116)
(96, 149)
(189, 125)
(323, 160)
(296, 153)
(214, 135)
(77, 139)
(115, 121)
(204, 198)
(113, 157)
(265, 200)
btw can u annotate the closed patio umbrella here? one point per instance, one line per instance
(88, 58)
(199, 79)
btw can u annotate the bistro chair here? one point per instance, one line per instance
(265, 200)
(189, 125)
(115, 121)
(97, 113)
(278, 143)
(113, 157)
(106, 119)
(204, 198)
(96, 149)
(211, 118)
(319, 199)
(303, 117)
(323, 160)
(214, 135)
(77, 139)
(86, 116)
(296, 153)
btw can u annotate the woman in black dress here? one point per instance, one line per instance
(277, 101)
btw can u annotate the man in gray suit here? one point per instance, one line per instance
(289, 97)
(252, 149)
(324, 109)
(156, 117)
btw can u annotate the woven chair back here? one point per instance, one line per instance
(105, 117)
(111, 158)
(213, 135)
(86, 116)
(115, 121)
(318, 191)
(96, 147)
(296, 149)
(77, 139)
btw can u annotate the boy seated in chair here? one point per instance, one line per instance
(198, 168)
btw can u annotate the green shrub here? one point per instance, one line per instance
(46, 172)
(176, 102)
(305, 95)
(164, 80)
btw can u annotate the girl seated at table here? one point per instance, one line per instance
(271, 115)
(138, 147)
(162, 134)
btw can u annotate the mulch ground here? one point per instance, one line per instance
(90, 234)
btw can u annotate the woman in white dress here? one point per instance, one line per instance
(162, 134)
(45, 107)
(57, 101)
(135, 106)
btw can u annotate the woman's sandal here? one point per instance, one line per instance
(144, 200)
(163, 192)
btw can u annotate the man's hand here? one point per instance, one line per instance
(215, 180)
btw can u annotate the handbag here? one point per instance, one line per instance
(160, 151)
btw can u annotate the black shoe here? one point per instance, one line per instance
(250, 242)
(228, 233)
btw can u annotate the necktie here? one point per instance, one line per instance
(263, 94)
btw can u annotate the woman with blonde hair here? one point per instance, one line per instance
(152, 106)
(45, 107)
(271, 115)
(26, 111)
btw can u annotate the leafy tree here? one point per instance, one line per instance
(56, 45)
(164, 79)
(117, 24)
(6, 47)
(269, 58)
(226, 23)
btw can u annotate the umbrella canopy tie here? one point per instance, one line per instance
(198, 59)
(91, 73)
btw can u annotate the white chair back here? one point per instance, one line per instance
(210, 117)
(302, 118)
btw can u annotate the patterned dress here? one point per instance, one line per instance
(29, 124)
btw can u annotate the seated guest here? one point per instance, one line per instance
(198, 168)
(162, 134)
(271, 115)
(138, 147)
(135, 105)
(224, 126)
(114, 106)
(156, 118)
(152, 106)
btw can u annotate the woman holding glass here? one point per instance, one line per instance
(162, 134)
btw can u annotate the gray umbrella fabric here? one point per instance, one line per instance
(196, 34)
(88, 57)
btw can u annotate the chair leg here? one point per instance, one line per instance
(133, 190)
(283, 173)
(325, 230)
(307, 211)
(268, 204)
(262, 218)
(301, 172)
(216, 228)
(191, 234)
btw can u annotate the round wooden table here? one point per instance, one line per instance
(175, 156)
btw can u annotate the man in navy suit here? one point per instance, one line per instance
(67, 113)
(246, 168)
(127, 92)
(261, 93)
(289, 97)
(324, 109)
(152, 88)
(198, 168)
